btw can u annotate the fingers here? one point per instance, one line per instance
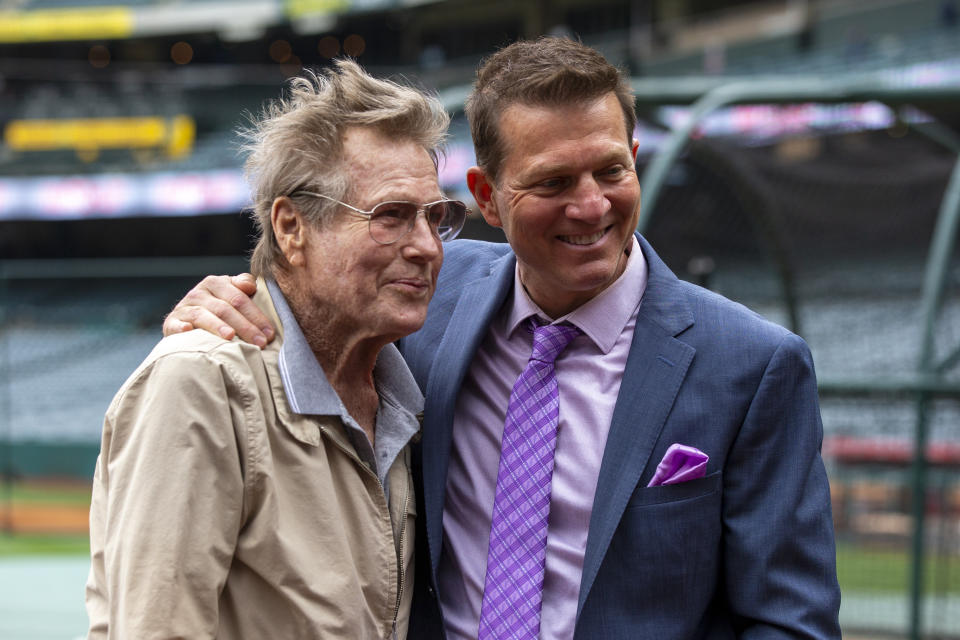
(245, 282)
(221, 305)
(172, 325)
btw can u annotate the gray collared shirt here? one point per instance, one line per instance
(309, 393)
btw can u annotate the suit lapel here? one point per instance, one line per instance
(655, 369)
(476, 307)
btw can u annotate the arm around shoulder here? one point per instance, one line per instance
(223, 306)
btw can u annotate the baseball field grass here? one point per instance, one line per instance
(888, 571)
(44, 517)
(50, 517)
(34, 544)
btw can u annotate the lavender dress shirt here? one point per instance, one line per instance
(588, 374)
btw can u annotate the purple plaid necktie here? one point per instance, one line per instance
(518, 533)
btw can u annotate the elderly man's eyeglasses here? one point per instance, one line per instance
(390, 221)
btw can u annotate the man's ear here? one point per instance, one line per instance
(482, 189)
(289, 228)
(633, 149)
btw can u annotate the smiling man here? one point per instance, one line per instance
(608, 452)
(566, 197)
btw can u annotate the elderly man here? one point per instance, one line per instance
(243, 493)
(653, 470)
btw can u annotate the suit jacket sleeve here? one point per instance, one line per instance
(778, 550)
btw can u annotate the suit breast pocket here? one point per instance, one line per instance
(669, 542)
(692, 490)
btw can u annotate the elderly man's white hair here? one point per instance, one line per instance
(297, 142)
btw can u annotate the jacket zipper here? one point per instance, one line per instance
(400, 567)
(403, 524)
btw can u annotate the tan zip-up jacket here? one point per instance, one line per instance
(219, 513)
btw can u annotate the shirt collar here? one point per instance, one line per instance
(306, 385)
(603, 317)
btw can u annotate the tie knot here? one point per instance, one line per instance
(550, 340)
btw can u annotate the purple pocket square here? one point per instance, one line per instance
(680, 464)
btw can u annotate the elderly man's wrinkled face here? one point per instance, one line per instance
(381, 290)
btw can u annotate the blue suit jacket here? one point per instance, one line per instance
(746, 551)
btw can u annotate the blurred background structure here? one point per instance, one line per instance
(799, 156)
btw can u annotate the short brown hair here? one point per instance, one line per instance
(298, 140)
(549, 71)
